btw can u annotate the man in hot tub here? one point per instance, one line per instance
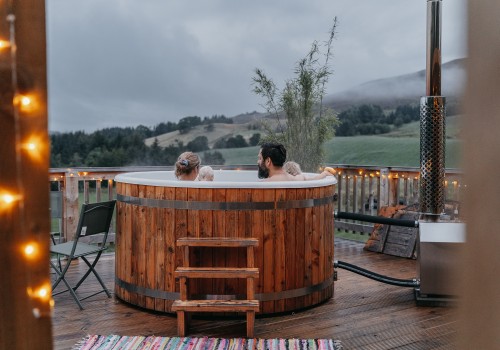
(270, 161)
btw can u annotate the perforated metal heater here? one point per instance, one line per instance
(432, 154)
(439, 241)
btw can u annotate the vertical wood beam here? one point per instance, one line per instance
(71, 209)
(384, 188)
(480, 266)
(24, 173)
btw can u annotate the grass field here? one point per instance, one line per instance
(401, 147)
(362, 150)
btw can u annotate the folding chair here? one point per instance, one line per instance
(94, 219)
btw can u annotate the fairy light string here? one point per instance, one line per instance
(39, 291)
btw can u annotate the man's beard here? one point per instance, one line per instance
(263, 172)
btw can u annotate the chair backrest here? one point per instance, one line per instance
(56, 212)
(95, 218)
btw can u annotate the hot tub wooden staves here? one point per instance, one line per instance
(294, 227)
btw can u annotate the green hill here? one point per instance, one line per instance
(219, 131)
(362, 150)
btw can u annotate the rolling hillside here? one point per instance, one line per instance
(220, 131)
(398, 148)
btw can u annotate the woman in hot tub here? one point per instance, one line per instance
(187, 166)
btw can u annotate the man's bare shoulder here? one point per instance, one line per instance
(285, 177)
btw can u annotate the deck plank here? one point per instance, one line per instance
(363, 314)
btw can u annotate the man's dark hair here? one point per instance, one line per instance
(275, 151)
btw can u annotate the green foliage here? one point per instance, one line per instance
(254, 139)
(109, 147)
(187, 123)
(217, 119)
(213, 158)
(199, 144)
(237, 141)
(371, 119)
(303, 123)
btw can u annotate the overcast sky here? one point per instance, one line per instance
(131, 62)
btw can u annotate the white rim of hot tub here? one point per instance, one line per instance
(246, 179)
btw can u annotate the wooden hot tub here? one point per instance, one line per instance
(292, 220)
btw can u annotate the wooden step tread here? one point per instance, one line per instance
(217, 272)
(217, 242)
(216, 305)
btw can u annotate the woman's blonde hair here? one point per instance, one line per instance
(186, 163)
(292, 168)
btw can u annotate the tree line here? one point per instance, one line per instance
(114, 147)
(117, 146)
(372, 120)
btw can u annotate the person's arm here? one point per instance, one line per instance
(326, 172)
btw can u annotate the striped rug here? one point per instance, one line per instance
(115, 342)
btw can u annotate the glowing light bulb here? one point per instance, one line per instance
(29, 249)
(42, 293)
(7, 198)
(25, 101)
(4, 44)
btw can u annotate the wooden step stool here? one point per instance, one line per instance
(250, 305)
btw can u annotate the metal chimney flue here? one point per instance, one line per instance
(432, 121)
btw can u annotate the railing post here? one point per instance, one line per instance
(395, 192)
(340, 196)
(355, 205)
(98, 185)
(347, 192)
(71, 212)
(406, 191)
(86, 191)
(384, 188)
(363, 193)
(110, 189)
(415, 190)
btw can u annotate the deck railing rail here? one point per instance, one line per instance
(360, 189)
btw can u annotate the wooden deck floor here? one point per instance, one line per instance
(363, 314)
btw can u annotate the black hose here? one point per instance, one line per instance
(375, 219)
(413, 283)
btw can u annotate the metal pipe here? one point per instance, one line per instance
(433, 66)
(413, 283)
(432, 122)
(375, 219)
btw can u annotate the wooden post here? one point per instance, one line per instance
(355, 194)
(340, 196)
(71, 212)
(25, 292)
(394, 191)
(363, 193)
(384, 188)
(98, 190)
(479, 283)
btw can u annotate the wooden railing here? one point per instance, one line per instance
(360, 189)
(365, 189)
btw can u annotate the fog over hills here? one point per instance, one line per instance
(408, 88)
(387, 93)
(392, 92)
